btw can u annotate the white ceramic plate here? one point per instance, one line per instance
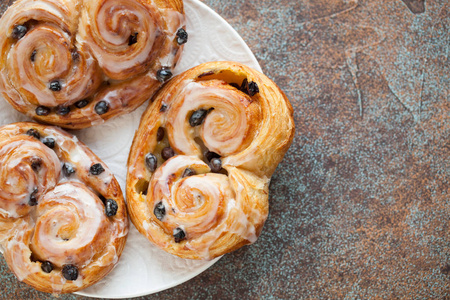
(144, 269)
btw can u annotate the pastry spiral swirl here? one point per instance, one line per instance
(202, 158)
(63, 221)
(76, 64)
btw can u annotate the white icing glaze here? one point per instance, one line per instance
(174, 21)
(241, 226)
(203, 205)
(224, 128)
(17, 248)
(68, 205)
(52, 12)
(19, 180)
(113, 47)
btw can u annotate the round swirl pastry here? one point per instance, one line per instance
(76, 63)
(63, 221)
(202, 158)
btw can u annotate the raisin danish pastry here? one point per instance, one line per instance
(202, 158)
(76, 63)
(63, 220)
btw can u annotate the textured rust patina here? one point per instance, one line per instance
(360, 205)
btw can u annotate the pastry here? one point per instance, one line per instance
(77, 63)
(63, 220)
(202, 158)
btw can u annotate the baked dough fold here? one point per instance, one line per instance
(63, 220)
(202, 158)
(77, 63)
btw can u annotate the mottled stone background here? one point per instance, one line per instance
(360, 205)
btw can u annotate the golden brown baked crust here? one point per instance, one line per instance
(57, 206)
(179, 203)
(77, 63)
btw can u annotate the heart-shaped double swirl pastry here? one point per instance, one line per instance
(76, 63)
(202, 158)
(63, 221)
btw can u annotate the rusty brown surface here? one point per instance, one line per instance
(360, 205)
